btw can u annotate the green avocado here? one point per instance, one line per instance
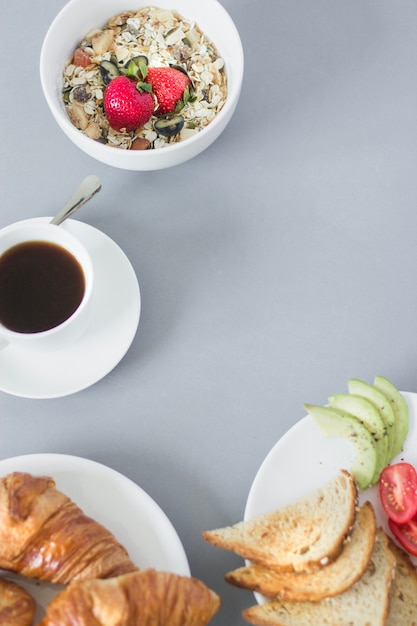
(360, 388)
(336, 423)
(370, 417)
(400, 409)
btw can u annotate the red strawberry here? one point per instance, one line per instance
(168, 85)
(126, 107)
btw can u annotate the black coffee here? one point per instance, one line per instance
(41, 285)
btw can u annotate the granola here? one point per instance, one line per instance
(165, 38)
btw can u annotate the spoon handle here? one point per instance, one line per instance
(90, 186)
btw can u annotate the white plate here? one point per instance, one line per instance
(113, 500)
(116, 303)
(304, 459)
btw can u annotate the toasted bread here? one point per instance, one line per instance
(364, 604)
(403, 596)
(328, 581)
(301, 536)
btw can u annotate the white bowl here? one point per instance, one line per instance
(80, 16)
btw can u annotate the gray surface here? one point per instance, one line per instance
(273, 267)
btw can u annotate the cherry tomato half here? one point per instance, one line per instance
(406, 534)
(398, 492)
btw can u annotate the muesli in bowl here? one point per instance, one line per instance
(134, 44)
(183, 61)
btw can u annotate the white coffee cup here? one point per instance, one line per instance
(69, 330)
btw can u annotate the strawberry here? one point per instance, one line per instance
(126, 107)
(170, 87)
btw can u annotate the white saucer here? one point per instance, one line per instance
(116, 303)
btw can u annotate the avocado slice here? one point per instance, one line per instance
(336, 423)
(400, 408)
(370, 417)
(360, 388)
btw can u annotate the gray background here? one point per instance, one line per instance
(273, 267)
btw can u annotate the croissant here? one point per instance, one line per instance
(17, 607)
(146, 597)
(44, 535)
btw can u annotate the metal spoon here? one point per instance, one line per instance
(88, 188)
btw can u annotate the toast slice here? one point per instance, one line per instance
(328, 581)
(364, 604)
(403, 597)
(301, 536)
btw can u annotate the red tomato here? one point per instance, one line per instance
(406, 534)
(398, 492)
